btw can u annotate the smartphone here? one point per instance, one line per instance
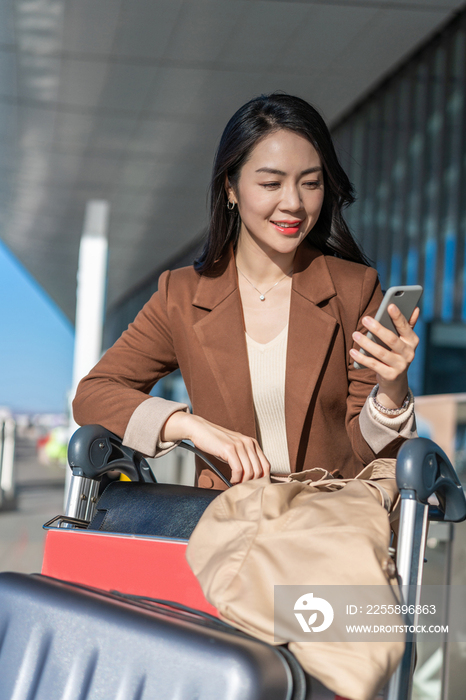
(406, 298)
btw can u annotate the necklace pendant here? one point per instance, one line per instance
(262, 297)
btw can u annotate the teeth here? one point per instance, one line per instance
(286, 225)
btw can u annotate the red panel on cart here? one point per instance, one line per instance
(137, 565)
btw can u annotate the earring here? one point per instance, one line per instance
(233, 204)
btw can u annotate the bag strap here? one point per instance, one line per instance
(190, 447)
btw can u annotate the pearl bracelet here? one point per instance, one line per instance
(392, 412)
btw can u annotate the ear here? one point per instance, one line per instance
(229, 190)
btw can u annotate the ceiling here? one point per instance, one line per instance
(125, 100)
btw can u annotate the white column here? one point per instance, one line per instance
(90, 297)
(7, 484)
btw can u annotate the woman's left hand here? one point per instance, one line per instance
(391, 365)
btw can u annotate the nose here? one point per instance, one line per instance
(291, 199)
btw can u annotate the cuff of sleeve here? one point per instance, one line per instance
(143, 430)
(379, 430)
(394, 422)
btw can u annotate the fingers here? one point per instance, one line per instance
(404, 329)
(237, 468)
(414, 317)
(382, 369)
(403, 326)
(265, 464)
(248, 459)
(402, 346)
(395, 349)
(239, 459)
(392, 361)
(242, 453)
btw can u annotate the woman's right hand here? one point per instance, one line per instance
(243, 454)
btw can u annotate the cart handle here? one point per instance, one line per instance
(423, 467)
(93, 451)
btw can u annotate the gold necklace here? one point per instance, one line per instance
(262, 295)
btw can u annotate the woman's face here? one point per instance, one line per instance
(280, 192)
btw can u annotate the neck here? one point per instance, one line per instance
(264, 267)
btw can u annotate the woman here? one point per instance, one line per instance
(262, 326)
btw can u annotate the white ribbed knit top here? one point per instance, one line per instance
(267, 365)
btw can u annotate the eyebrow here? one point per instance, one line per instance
(273, 171)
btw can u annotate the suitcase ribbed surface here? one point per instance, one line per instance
(59, 642)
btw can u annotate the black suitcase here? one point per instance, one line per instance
(59, 641)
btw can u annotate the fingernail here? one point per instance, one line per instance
(368, 321)
(356, 335)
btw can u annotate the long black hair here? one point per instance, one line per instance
(252, 122)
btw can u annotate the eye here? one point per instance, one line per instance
(312, 184)
(270, 185)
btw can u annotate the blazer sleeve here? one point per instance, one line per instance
(370, 439)
(115, 393)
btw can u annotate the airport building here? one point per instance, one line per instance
(124, 102)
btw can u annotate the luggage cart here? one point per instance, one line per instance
(65, 634)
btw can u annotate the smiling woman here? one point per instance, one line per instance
(262, 325)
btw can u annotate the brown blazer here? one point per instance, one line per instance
(195, 322)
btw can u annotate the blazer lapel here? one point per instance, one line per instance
(310, 334)
(221, 333)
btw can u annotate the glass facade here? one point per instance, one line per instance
(404, 149)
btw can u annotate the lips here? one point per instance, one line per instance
(287, 227)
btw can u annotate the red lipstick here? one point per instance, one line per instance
(288, 228)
